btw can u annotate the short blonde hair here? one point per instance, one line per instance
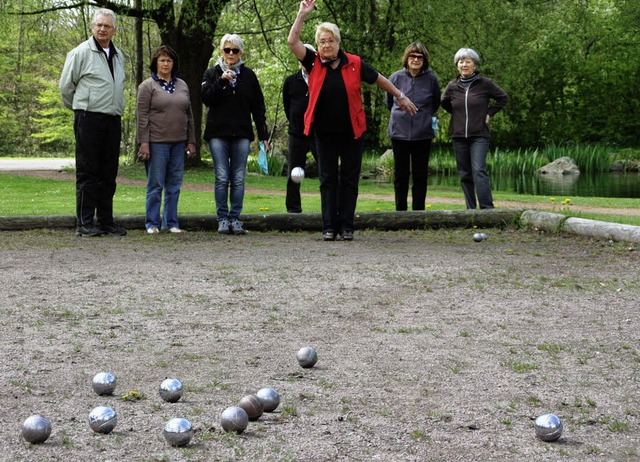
(328, 27)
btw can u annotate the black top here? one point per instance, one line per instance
(295, 99)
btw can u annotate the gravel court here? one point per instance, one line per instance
(431, 346)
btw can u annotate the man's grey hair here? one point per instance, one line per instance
(104, 12)
(466, 53)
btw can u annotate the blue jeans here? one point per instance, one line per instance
(339, 162)
(165, 170)
(230, 162)
(471, 157)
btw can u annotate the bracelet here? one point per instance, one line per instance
(402, 96)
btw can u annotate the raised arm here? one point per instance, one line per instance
(296, 45)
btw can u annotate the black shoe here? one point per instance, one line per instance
(328, 236)
(113, 229)
(347, 235)
(88, 231)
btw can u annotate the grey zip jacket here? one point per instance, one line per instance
(424, 91)
(469, 107)
(86, 83)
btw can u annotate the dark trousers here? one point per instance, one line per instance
(411, 158)
(97, 151)
(339, 161)
(299, 146)
(471, 158)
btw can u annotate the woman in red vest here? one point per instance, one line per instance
(336, 112)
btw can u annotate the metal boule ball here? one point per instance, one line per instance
(548, 427)
(171, 390)
(178, 432)
(307, 357)
(252, 406)
(104, 383)
(103, 419)
(269, 398)
(478, 237)
(234, 419)
(297, 174)
(484, 236)
(36, 429)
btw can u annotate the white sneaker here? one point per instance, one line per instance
(176, 230)
(152, 230)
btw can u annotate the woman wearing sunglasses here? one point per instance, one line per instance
(411, 135)
(233, 95)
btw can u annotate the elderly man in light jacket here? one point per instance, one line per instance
(92, 84)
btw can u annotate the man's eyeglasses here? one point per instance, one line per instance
(234, 51)
(103, 26)
(327, 42)
(416, 57)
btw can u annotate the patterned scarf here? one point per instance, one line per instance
(169, 87)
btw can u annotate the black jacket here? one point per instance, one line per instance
(469, 107)
(295, 99)
(231, 109)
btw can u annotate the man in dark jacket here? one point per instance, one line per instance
(295, 98)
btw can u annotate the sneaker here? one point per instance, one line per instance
(223, 226)
(176, 230)
(113, 229)
(328, 236)
(88, 231)
(237, 228)
(153, 230)
(347, 235)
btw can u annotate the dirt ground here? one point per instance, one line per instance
(431, 346)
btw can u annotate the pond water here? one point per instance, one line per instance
(601, 185)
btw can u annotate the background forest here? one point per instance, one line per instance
(570, 66)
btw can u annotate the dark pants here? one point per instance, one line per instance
(97, 151)
(411, 158)
(471, 157)
(339, 162)
(299, 146)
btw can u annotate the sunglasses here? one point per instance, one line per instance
(234, 51)
(418, 57)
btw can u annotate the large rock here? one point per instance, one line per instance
(560, 166)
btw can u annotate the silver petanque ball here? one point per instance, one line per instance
(484, 236)
(234, 419)
(548, 427)
(178, 432)
(297, 174)
(307, 357)
(252, 406)
(171, 390)
(269, 398)
(103, 419)
(104, 383)
(478, 237)
(36, 429)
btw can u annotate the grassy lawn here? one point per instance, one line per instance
(25, 196)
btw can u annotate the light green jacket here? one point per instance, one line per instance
(86, 83)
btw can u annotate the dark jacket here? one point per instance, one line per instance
(424, 91)
(469, 107)
(295, 99)
(231, 109)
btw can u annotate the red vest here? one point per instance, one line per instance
(351, 76)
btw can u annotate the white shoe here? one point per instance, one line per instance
(176, 230)
(152, 230)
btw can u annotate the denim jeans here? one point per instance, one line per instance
(339, 162)
(165, 170)
(411, 159)
(230, 162)
(471, 157)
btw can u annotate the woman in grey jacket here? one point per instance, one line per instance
(472, 100)
(411, 135)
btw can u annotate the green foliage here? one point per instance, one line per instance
(52, 121)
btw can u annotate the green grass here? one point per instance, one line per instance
(31, 196)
